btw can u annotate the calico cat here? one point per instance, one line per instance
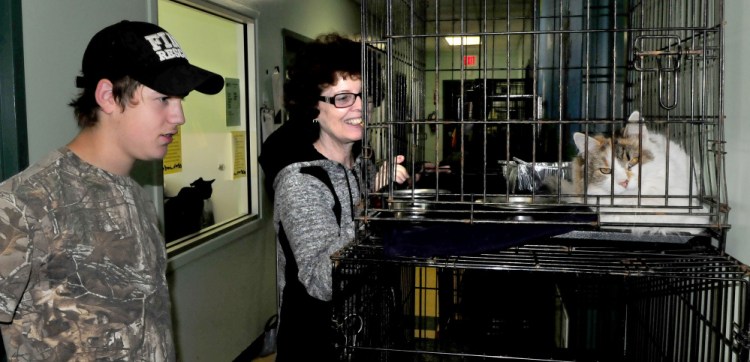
(640, 163)
(184, 213)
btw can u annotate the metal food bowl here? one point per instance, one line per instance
(518, 203)
(524, 176)
(413, 203)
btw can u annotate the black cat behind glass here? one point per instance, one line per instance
(187, 213)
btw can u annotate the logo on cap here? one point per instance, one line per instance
(165, 46)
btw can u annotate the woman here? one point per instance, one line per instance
(312, 165)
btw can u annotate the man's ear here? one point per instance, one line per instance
(104, 96)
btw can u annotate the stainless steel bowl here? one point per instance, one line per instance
(420, 194)
(518, 203)
(413, 203)
(527, 177)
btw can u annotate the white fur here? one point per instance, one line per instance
(644, 219)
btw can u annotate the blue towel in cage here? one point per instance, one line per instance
(447, 239)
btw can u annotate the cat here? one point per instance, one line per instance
(640, 164)
(184, 214)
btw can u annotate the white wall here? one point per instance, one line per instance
(737, 125)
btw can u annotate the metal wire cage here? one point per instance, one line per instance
(542, 303)
(486, 255)
(488, 123)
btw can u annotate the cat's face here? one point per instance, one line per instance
(604, 175)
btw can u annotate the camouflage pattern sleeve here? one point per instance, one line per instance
(15, 254)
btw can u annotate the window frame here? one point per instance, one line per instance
(248, 21)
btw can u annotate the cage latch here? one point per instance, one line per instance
(661, 54)
(349, 329)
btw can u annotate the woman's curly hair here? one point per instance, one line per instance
(316, 67)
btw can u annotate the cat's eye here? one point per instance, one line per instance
(633, 162)
(605, 170)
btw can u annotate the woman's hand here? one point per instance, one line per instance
(381, 178)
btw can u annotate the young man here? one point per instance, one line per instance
(82, 262)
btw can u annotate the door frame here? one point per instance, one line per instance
(14, 145)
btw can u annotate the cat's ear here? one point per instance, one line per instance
(580, 141)
(634, 127)
(211, 181)
(634, 117)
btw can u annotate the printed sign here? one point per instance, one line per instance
(173, 160)
(238, 153)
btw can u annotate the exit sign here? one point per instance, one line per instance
(470, 60)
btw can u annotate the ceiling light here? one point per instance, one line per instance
(458, 40)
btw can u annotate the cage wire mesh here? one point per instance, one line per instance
(488, 125)
(542, 303)
(512, 239)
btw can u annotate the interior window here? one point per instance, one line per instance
(207, 170)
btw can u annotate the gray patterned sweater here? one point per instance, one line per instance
(304, 208)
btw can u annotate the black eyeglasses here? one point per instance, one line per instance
(342, 100)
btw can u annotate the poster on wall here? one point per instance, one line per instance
(173, 159)
(232, 90)
(238, 154)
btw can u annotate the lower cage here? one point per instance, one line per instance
(544, 302)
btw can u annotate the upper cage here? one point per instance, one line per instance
(534, 114)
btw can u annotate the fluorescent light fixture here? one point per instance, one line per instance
(458, 40)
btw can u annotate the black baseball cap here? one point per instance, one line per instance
(148, 54)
